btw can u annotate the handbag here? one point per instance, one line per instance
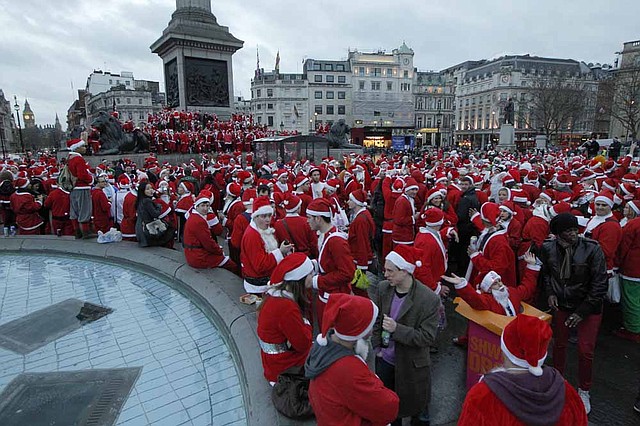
(614, 292)
(155, 228)
(290, 394)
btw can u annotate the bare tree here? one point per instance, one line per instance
(556, 104)
(624, 91)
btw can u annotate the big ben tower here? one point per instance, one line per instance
(27, 116)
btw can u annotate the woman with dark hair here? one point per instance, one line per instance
(147, 212)
(283, 332)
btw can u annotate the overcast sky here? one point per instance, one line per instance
(48, 46)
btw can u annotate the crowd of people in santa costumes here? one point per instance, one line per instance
(471, 221)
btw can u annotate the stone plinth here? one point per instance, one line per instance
(197, 57)
(507, 136)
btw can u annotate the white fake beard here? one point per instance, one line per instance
(501, 296)
(269, 238)
(362, 348)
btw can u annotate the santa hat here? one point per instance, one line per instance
(186, 186)
(320, 207)
(586, 175)
(508, 179)
(488, 281)
(248, 196)
(314, 169)
(524, 342)
(509, 207)
(563, 180)
(433, 217)
(628, 189)
(629, 178)
(490, 212)
(292, 202)
(548, 195)
(21, 182)
(333, 184)
(397, 186)
(605, 197)
(405, 257)
(635, 206)
(519, 196)
(74, 144)
(261, 205)
(562, 207)
(358, 197)
(294, 267)
(243, 175)
(411, 183)
(202, 198)
(351, 317)
(233, 189)
(301, 180)
(124, 181)
(433, 193)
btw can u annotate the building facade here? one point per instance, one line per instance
(483, 88)
(101, 81)
(77, 113)
(625, 103)
(330, 91)
(7, 142)
(434, 110)
(281, 101)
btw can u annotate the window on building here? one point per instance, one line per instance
(360, 70)
(377, 72)
(342, 95)
(389, 72)
(140, 101)
(128, 83)
(129, 101)
(117, 81)
(329, 109)
(317, 78)
(317, 94)
(270, 120)
(329, 95)
(419, 122)
(429, 122)
(269, 106)
(259, 106)
(405, 87)
(375, 85)
(341, 110)
(110, 81)
(117, 100)
(258, 93)
(342, 79)
(318, 109)
(361, 85)
(328, 67)
(340, 67)
(503, 96)
(329, 79)
(406, 74)
(389, 85)
(141, 116)
(259, 119)
(317, 67)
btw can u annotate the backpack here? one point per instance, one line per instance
(66, 180)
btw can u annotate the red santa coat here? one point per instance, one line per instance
(361, 231)
(306, 200)
(628, 251)
(483, 408)
(58, 203)
(608, 233)
(184, 204)
(280, 321)
(232, 211)
(495, 255)
(535, 231)
(101, 210)
(301, 236)
(80, 169)
(514, 234)
(532, 191)
(256, 261)
(486, 301)
(129, 215)
(240, 224)
(26, 208)
(201, 250)
(434, 258)
(403, 221)
(335, 265)
(349, 394)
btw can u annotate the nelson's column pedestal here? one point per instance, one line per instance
(197, 56)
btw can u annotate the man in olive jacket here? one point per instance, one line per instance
(574, 273)
(409, 312)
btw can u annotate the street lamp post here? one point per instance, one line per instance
(17, 108)
(281, 126)
(4, 151)
(493, 126)
(315, 121)
(438, 123)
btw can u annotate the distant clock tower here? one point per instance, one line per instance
(28, 117)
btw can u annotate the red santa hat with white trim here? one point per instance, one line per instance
(524, 342)
(411, 183)
(261, 205)
(433, 217)
(234, 189)
(490, 212)
(202, 198)
(74, 144)
(358, 197)
(606, 197)
(294, 267)
(351, 318)
(291, 202)
(320, 207)
(405, 257)
(635, 206)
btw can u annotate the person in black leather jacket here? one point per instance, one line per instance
(574, 273)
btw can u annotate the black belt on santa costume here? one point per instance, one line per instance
(60, 217)
(189, 246)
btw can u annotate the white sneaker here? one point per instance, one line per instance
(586, 399)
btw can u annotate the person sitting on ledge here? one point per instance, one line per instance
(494, 295)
